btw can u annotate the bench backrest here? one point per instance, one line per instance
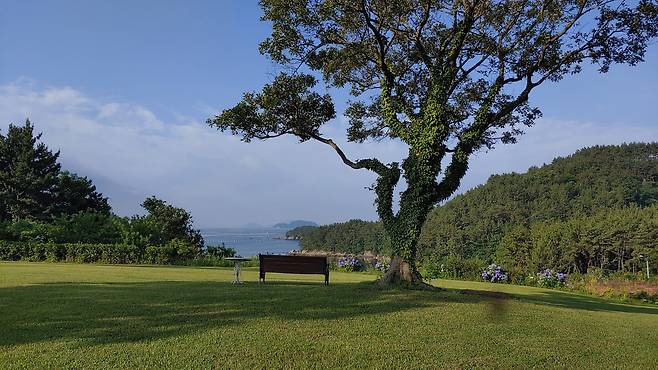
(293, 264)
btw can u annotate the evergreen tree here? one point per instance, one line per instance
(76, 194)
(28, 175)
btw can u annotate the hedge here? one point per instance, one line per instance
(170, 253)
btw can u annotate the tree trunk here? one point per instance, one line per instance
(404, 227)
(404, 233)
(402, 273)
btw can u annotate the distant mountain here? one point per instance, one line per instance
(294, 224)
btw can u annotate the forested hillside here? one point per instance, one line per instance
(591, 182)
(354, 236)
(592, 179)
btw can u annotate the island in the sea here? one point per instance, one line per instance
(293, 224)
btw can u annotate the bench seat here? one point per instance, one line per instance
(293, 265)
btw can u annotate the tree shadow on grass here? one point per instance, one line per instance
(556, 298)
(101, 313)
(585, 302)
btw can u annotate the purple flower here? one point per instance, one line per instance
(494, 273)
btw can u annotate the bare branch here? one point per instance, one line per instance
(370, 164)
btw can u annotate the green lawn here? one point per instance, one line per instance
(88, 316)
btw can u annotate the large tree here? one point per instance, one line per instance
(28, 175)
(32, 185)
(447, 78)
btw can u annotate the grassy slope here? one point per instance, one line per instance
(57, 315)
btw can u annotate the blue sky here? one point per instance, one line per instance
(123, 88)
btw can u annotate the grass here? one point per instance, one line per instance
(89, 316)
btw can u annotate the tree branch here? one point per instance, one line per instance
(418, 42)
(370, 164)
(389, 110)
(385, 184)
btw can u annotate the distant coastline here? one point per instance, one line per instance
(251, 241)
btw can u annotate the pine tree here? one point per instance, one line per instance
(28, 174)
(78, 194)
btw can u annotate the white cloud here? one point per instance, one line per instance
(130, 153)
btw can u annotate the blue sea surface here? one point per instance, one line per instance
(250, 241)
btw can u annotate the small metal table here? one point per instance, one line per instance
(236, 270)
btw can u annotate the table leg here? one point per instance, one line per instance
(236, 271)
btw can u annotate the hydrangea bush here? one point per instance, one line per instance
(550, 279)
(350, 264)
(494, 273)
(381, 266)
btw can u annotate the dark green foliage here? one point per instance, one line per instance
(300, 232)
(171, 252)
(87, 227)
(70, 252)
(43, 211)
(592, 179)
(354, 236)
(77, 228)
(174, 252)
(32, 185)
(220, 251)
(610, 240)
(162, 224)
(76, 194)
(164, 236)
(29, 175)
(210, 261)
(453, 267)
(287, 106)
(445, 78)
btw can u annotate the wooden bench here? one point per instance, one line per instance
(293, 265)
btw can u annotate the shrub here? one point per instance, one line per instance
(173, 252)
(494, 274)
(349, 264)
(209, 261)
(431, 269)
(220, 251)
(71, 252)
(381, 266)
(550, 279)
(462, 268)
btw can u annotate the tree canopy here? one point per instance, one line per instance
(28, 174)
(165, 223)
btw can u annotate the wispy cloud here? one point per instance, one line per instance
(130, 152)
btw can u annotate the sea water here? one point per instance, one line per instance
(251, 241)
